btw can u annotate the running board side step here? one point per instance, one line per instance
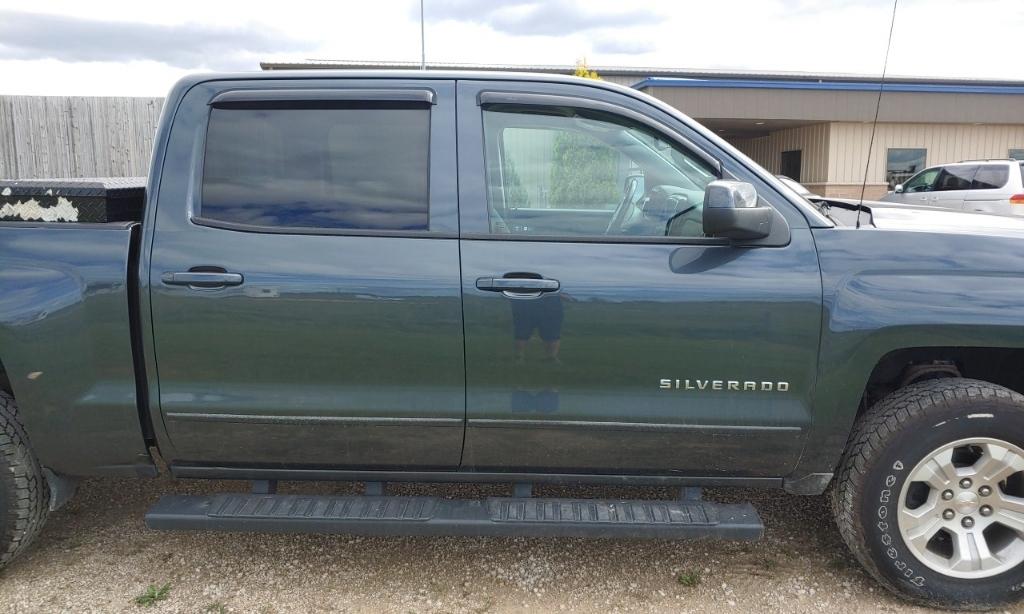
(507, 516)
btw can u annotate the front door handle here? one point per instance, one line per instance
(524, 285)
(202, 279)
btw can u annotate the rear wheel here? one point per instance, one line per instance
(24, 497)
(930, 493)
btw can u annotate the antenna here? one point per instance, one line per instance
(878, 105)
(423, 41)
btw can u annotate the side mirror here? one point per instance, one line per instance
(898, 189)
(731, 211)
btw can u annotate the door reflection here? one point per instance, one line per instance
(537, 343)
(542, 315)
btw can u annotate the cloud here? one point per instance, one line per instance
(33, 36)
(622, 45)
(548, 18)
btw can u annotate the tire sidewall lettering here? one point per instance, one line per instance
(888, 528)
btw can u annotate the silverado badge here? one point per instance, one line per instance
(720, 384)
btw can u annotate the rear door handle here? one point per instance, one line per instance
(517, 284)
(202, 279)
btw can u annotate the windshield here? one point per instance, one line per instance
(821, 205)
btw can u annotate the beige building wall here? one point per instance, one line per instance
(840, 105)
(848, 147)
(955, 126)
(812, 140)
(835, 153)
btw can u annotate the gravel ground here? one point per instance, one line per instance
(95, 555)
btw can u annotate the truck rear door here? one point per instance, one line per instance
(304, 276)
(604, 332)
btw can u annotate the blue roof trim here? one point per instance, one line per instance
(843, 86)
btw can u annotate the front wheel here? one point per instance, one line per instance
(930, 493)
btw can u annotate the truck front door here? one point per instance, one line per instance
(305, 276)
(604, 331)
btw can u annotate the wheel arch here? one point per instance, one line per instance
(903, 366)
(848, 389)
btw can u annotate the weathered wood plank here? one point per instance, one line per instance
(76, 136)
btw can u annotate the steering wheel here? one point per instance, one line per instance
(680, 221)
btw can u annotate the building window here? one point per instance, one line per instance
(901, 164)
(790, 164)
(1017, 154)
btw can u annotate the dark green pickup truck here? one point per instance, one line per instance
(438, 277)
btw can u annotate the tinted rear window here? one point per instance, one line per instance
(338, 168)
(954, 178)
(990, 177)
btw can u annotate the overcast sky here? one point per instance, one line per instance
(103, 47)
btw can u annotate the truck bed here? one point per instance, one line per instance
(67, 297)
(85, 200)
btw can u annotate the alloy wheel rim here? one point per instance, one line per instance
(961, 509)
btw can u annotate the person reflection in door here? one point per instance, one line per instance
(543, 315)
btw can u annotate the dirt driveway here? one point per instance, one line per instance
(95, 555)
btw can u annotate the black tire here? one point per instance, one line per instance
(24, 496)
(886, 444)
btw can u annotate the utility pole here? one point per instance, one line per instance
(423, 41)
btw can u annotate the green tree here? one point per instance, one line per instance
(583, 173)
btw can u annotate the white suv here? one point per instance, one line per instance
(990, 186)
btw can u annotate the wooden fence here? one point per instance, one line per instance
(76, 136)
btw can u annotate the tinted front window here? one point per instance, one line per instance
(990, 177)
(594, 174)
(337, 168)
(955, 178)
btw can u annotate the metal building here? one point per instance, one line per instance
(816, 127)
